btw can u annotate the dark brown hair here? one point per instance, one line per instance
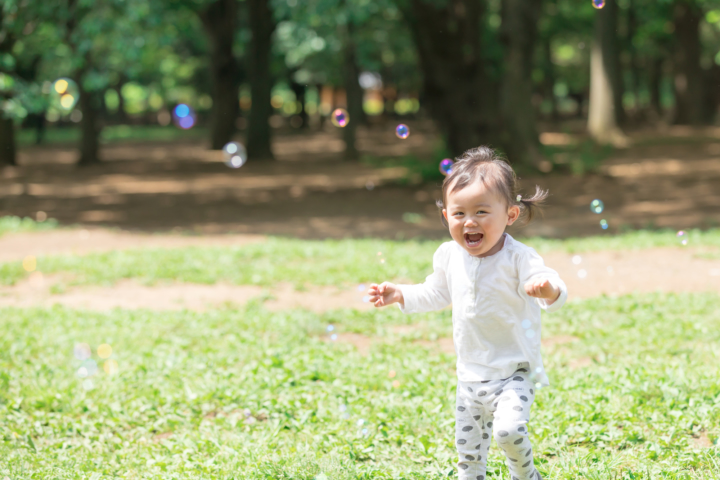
(485, 165)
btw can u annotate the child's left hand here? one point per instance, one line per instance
(542, 289)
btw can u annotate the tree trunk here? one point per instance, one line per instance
(220, 20)
(262, 26)
(688, 72)
(461, 98)
(518, 35)
(122, 115)
(353, 93)
(604, 94)
(655, 79)
(7, 142)
(90, 127)
(549, 79)
(299, 90)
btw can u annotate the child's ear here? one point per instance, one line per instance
(513, 214)
(444, 212)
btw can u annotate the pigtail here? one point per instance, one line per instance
(530, 207)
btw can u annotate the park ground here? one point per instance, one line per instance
(220, 291)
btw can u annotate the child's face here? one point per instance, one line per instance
(477, 218)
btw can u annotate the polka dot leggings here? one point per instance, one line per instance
(500, 408)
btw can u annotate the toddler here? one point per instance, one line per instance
(497, 287)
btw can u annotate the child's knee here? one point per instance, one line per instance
(510, 434)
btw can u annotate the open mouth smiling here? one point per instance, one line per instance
(473, 239)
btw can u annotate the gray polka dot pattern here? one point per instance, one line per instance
(482, 413)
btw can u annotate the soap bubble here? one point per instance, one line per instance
(333, 337)
(536, 377)
(370, 185)
(234, 154)
(598, 3)
(604, 224)
(330, 328)
(82, 351)
(90, 367)
(526, 323)
(530, 333)
(343, 407)
(682, 237)
(364, 431)
(597, 206)
(340, 117)
(30, 263)
(402, 131)
(183, 116)
(87, 384)
(360, 422)
(577, 259)
(110, 367)
(366, 298)
(104, 351)
(361, 287)
(446, 166)
(582, 273)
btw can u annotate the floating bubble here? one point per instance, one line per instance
(333, 337)
(366, 298)
(518, 198)
(598, 3)
(446, 166)
(110, 367)
(396, 383)
(82, 351)
(67, 101)
(577, 259)
(340, 117)
(402, 131)
(104, 351)
(536, 377)
(392, 374)
(82, 372)
(330, 328)
(364, 431)
(382, 260)
(30, 263)
(597, 206)
(582, 273)
(604, 224)
(88, 384)
(682, 237)
(360, 422)
(41, 216)
(234, 154)
(90, 367)
(343, 407)
(370, 185)
(183, 116)
(530, 333)
(526, 323)
(361, 287)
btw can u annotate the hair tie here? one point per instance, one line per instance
(519, 198)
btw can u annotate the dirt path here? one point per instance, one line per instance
(669, 179)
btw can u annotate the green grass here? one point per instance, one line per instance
(112, 133)
(245, 393)
(17, 225)
(306, 262)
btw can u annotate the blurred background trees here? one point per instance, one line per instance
(484, 71)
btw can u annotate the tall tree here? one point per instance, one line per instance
(353, 91)
(220, 21)
(262, 25)
(603, 114)
(688, 81)
(459, 93)
(518, 34)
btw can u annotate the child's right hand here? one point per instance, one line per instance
(385, 294)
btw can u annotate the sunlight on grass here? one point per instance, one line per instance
(252, 394)
(17, 225)
(330, 262)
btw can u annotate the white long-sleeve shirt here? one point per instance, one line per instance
(496, 325)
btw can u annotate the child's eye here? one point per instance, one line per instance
(481, 211)
(457, 213)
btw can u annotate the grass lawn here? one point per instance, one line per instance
(243, 392)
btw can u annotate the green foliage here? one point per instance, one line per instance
(245, 393)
